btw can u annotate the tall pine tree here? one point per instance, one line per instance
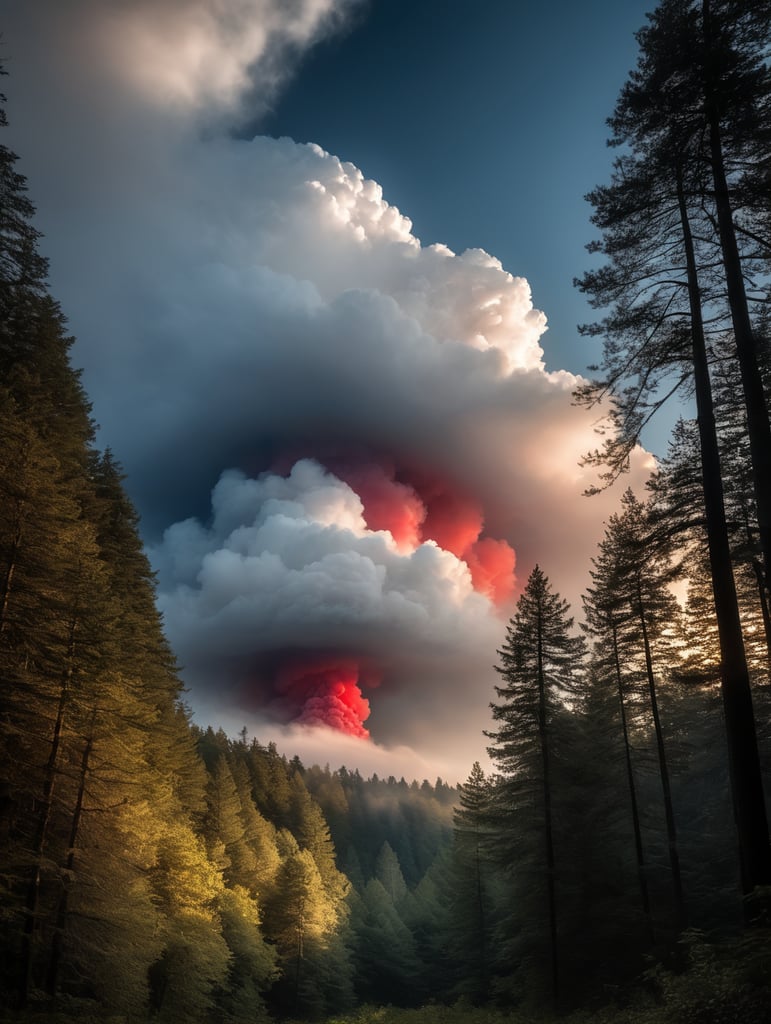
(539, 664)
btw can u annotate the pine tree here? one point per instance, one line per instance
(427, 913)
(539, 663)
(23, 270)
(389, 873)
(301, 919)
(252, 968)
(311, 831)
(472, 896)
(194, 964)
(631, 608)
(606, 916)
(384, 952)
(665, 293)
(258, 833)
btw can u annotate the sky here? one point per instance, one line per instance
(318, 258)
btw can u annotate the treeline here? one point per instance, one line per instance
(661, 725)
(606, 841)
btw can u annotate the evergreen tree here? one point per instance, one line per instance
(225, 828)
(664, 293)
(389, 873)
(539, 663)
(606, 917)
(252, 967)
(311, 831)
(302, 919)
(472, 895)
(632, 609)
(384, 953)
(427, 913)
(259, 834)
(194, 964)
(23, 270)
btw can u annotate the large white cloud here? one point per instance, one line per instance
(289, 561)
(288, 565)
(241, 305)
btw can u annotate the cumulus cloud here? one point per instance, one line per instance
(342, 442)
(309, 607)
(289, 561)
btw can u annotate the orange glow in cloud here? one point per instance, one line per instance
(325, 691)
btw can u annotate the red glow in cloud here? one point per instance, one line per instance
(453, 521)
(491, 563)
(326, 692)
(388, 504)
(423, 507)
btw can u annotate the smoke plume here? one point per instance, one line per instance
(345, 448)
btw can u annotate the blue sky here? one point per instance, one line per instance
(484, 123)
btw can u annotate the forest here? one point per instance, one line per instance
(614, 866)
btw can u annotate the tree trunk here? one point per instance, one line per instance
(757, 568)
(674, 856)
(743, 759)
(758, 428)
(638, 845)
(57, 943)
(544, 736)
(5, 597)
(32, 907)
(480, 895)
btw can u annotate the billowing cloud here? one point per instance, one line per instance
(344, 444)
(310, 609)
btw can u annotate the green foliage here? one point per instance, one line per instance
(722, 984)
(252, 968)
(541, 664)
(389, 873)
(384, 953)
(415, 820)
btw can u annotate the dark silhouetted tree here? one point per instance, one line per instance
(663, 287)
(539, 664)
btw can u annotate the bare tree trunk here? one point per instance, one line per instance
(32, 908)
(549, 837)
(758, 427)
(669, 814)
(743, 759)
(57, 943)
(638, 845)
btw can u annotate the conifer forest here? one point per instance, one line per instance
(614, 864)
